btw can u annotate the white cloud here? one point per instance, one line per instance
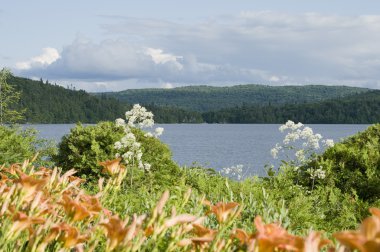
(159, 57)
(250, 47)
(48, 56)
(167, 85)
(274, 78)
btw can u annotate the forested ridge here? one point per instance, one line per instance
(207, 98)
(51, 103)
(361, 108)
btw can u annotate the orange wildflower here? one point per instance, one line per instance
(367, 238)
(115, 231)
(245, 239)
(91, 203)
(271, 236)
(112, 167)
(74, 209)
(180, 219)
(204, 235)
(30, 185)
(224, 210)
(21, 222)
(69, 235)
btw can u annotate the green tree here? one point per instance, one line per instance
(8, 97)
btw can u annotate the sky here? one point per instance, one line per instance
(120, 44)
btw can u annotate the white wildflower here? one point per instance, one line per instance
(148, 134)
(136, 145)
(233, 171)
(120, 122)
(147, 167)
(274, 152)
(158, 131)
(300, 155)
(118, 145)
(328, 142)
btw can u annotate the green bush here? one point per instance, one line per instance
(85, 146)
(17, 145)
(354, 164)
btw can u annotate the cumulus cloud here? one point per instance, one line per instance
(48, 56)
(250, 47)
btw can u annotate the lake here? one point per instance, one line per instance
(222, 145)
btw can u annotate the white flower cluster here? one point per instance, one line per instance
(299, 132)
(129, 149)
(317, 173)
(233, 172)
(139, 116)
(306, 151)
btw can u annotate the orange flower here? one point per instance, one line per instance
(30, 185)
(74, 209)
(180, 219)
(115, 231)
(271, 236)
(367, 238)
(314, 243)
(224, 210)
(23, 222)
(69, 235)
(91, 203)
(204, 235)
(112, 167)
(245, 239)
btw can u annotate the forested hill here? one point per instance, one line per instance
(48, 103)
(207, 98)
(360, 108)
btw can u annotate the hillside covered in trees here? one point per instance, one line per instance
(207, 98)
(361, 108)
(48, 103)
(51, 103)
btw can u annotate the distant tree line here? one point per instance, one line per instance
(206, 98)
(361, 108)
(43, 102)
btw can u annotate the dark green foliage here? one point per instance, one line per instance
(354, 164)
(360, 108)
(47, 103)
(9, 98)
(85, 146)
(17, 145)
(207, 98)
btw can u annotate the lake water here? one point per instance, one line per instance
(222, 145)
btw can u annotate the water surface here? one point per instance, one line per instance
(222, 145)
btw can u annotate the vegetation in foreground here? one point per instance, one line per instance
(112, 205)
(43, 209)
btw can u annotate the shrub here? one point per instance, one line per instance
(354, 164)
(85, 146)
(17, 144)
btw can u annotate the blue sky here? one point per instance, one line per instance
(115, 45)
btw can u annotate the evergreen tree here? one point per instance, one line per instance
(8, 98)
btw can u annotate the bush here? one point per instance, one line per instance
(17, 145)
(85, 146)
(354, 164)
